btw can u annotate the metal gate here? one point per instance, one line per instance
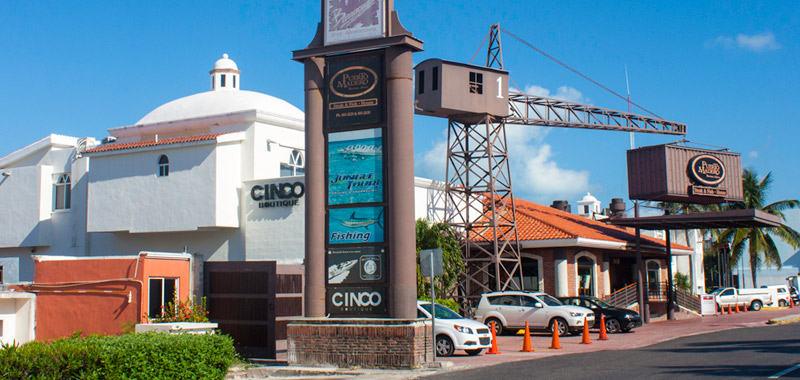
(241, 299)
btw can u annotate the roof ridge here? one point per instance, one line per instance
(148, 143)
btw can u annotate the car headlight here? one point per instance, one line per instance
(575, 314)
(463, 329)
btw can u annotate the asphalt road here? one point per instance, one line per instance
(756, 352)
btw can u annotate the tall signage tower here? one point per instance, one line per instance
(360, 244)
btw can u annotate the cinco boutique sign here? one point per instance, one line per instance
(345, 300)
(355, 93)
(282, 194)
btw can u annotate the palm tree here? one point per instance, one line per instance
(760, 246)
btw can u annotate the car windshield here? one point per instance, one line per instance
(601, 303)
(442, 312)
(549, 300)
(717, 291)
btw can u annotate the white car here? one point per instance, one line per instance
(454, 332)
(509, 310)
(779, 294)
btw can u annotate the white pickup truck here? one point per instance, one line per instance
(753, 299)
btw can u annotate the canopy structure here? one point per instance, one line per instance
(702, 220)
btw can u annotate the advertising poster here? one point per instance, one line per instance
(355, 167)
(356, 265)
(351, 20)
(345, 300)
(355, 225)
(354, 93)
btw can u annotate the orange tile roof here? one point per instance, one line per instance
(142, 144)
(537, 222)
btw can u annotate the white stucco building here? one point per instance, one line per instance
(185, 176)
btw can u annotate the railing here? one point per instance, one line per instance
(656, 292)
(624, 297)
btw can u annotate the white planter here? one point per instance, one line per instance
(178, 327)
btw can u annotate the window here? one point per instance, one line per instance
(586, 209)
(475, 83)
(213, 85)
(1, 274)
(505, 300)
(222, 80)
(530, 273)
(162, 292)
(586, 278)
(435, 77)
(62, 192)
(653, 277)
(234, 81)
(163, 166)
(421, 82)
(296, 165)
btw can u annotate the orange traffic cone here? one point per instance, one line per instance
(744, 308)
(603, 335)
(493, 349)
(729, 309)
(791, 302)
(554, 345)
(526, 342)
(737, 308)
(585, 339)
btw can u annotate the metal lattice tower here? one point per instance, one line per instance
(481, 204)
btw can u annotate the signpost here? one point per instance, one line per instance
(431, 265)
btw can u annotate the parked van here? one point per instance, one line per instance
(779, 294)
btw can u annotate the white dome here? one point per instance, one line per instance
(220, 102)
(589, 198)
(225, 63)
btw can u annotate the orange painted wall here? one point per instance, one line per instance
(110, 292)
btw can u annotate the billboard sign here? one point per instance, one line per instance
(354, 91)
(346, 300)
(355, 225)
(356, 265)
(355, 167)
(352, 20)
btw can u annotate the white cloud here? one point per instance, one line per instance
(753, 154)
(757, 42)
(431, 164)
(563, 93)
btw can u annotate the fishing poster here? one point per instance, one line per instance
(355, 265)
(355, 225)
(355, 167)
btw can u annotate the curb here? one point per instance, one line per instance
(784, 320)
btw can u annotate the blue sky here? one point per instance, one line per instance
(729, 71)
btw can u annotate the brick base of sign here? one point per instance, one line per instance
(363, 342)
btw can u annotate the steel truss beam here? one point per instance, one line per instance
(546, 112)
(480, 205)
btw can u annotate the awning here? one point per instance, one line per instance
(702, 220)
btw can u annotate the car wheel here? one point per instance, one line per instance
(613, 326)
(474, 352)
(782, 303)
(561, 326)
(498, 326)
(756, 305)
(444, 346)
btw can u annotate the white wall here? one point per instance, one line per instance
(126, 193)
(26, 198)
(17, 310)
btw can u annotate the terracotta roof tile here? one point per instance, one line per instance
(142, 144)
(537, 222)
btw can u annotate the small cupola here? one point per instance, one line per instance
(225, 75)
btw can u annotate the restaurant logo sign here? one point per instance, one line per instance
(707, 170)
(355, 94)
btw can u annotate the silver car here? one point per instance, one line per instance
(509, 310)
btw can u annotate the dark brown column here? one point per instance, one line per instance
(400, 139)
(315, 189)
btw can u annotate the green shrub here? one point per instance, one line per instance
(131, 356)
